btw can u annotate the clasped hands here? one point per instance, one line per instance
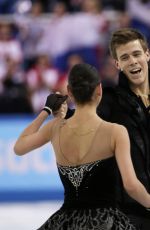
(56, 104)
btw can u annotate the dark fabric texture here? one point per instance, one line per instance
(90, 199)
(122, 106)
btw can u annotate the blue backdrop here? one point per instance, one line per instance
(33, 176)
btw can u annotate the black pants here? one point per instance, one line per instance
(141, 223)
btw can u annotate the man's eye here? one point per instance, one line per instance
(137, 54)
(124, 58)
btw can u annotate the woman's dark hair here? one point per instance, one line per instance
(83, 79)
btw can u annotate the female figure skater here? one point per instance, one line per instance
(89, 151)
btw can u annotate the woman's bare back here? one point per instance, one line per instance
(77, 145)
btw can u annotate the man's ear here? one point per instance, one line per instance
(148, 55)
(117, 65)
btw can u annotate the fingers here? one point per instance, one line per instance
(60, 100)
(55, 100)
(61, 112)
(64, 98)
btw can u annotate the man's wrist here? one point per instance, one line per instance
(48, 110)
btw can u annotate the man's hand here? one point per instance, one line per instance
(61, 113)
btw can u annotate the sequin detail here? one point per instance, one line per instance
(76, 174)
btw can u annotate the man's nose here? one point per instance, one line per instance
(132, 60)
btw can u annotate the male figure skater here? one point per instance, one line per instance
(129, 104)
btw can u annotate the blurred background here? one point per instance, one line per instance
(40, 40)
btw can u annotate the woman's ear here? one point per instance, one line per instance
(69, 91)
(71, 98)
(99, 90)
(98, 93)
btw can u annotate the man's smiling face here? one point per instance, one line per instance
(133, 61)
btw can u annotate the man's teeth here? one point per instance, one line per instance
(135, 71)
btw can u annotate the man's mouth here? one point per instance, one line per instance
(135, 71)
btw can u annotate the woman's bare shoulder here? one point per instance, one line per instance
(115, 128)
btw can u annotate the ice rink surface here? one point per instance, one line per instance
(26, 216)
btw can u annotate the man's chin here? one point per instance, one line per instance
(137, 81)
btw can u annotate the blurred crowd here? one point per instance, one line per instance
(41, 40)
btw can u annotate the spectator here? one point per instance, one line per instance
(31, 28)
(139, 11)
(109, 73)
(9, 45)
(41, 79)
(13, 91)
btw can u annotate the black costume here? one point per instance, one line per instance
(90, 199)
(121, 105)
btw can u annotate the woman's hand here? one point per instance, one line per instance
(54, 103)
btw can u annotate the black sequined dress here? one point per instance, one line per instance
(90, 199)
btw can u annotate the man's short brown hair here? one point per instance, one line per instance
(123, 36)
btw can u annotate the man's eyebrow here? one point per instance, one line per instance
(135, 51)
(123, 55)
